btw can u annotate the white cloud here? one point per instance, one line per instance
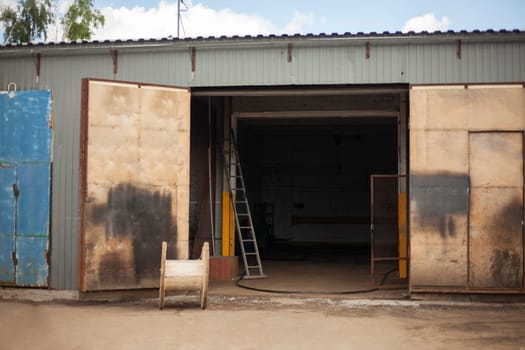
(198, 20)
(138, 22)
(6, 3)
(62, 6)
(427, 22)
(55, 31)
(161, 21)
(298, 22)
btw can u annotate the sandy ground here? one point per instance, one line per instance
(231, 323)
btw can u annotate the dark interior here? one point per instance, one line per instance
(308, 182)
(307, 163)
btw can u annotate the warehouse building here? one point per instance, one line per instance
(390, 152)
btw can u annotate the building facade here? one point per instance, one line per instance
(444, 112)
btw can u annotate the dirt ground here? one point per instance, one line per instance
(231, 323)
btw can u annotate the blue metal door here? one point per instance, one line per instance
(25, 178)
(7, 222)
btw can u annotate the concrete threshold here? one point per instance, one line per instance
(37, 295)
(243, 301)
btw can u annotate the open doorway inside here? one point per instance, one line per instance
(309, 184)
(308, 156)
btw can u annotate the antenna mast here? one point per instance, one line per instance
(178, 19)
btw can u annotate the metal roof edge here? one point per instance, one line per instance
(264, 40)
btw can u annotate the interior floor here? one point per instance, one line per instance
(322, 268)
(308, 182)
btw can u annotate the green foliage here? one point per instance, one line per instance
(31, 20)
(9, 17)
(79, 20)
(28, 22)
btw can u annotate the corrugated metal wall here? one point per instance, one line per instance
(337, 62)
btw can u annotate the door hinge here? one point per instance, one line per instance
(51, 122)
(15, 260)
(16, 191)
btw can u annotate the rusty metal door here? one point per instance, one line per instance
(25, 181)
(387, 250)
(496, 210)
(135, 143)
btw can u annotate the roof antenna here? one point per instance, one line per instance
(179, 18)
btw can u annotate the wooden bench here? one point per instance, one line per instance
(184, 275)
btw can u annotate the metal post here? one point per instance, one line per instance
(372, 255)
(178, 19)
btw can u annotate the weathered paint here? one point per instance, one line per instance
(438, 213)
(33, 224)
(460, 233)
(25, 169)
(385, 237)
(32, 267)
(402, 222)
(496, 210)
(7, 222)
(33, 199)
(384, 216)
(228, 233)
(136, 182)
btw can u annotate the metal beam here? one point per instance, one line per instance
(316, 114)
(296, 92)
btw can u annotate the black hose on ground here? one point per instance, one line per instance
(357, 291)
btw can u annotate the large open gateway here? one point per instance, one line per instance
(324, 171)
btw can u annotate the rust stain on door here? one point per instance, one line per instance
(135, 182)
(496, 210)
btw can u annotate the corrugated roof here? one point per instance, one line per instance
(475, 34)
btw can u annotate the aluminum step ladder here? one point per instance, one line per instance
(243, 217)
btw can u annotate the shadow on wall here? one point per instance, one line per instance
(142, 217)
(438, 197)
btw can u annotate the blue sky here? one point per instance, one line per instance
(132, 19)
(379, 15)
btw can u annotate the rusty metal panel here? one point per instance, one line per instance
(384, 190)
(25, 178)
(385, 215)
(135, 182)
(438, 214)
(436, 151)
(438, 199)
(449, 249)
(496, 210)
(505, 111)
(468, 107)
(438, 190)
(7, 223)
